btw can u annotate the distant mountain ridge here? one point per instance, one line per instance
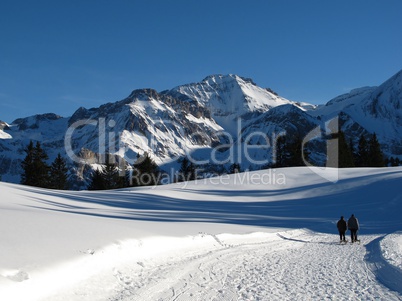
(375, 109)
(225, 117)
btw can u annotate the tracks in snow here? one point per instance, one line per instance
(294, 266)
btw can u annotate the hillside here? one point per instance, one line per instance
(246, 236)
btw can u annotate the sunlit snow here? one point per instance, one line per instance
(267, 235)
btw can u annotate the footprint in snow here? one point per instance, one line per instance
(17, 276)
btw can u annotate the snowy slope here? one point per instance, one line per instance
(229, 97)
(4, 135)
(145, 121)
(382, 111)
(373, 109)
(267, 235)
(341, 102)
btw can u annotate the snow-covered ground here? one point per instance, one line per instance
(267, 235)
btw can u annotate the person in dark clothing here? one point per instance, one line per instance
(353, 225)
(342, 227)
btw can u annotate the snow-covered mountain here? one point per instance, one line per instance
(371, 109)
(3, 135)
(229, 98)
(221, 120)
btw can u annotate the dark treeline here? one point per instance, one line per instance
(145, 172)
(36, 172)
(367, 153)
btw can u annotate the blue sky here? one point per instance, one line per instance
(56, 56)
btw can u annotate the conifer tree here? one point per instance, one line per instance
(289, 152)
(97, 180)
(58, 173)
(352, 150)
(362, 153)
(345, 152)
(375, 155)
(111, 175)
(28, 175)
(281, 156)
(187, 170)
(234, 168)
(146, 172)
(41, 168)
(35, 168)
(107, 176)
(295, 153)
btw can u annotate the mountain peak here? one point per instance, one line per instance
(33, 121)
(228, 77)
(230, 90)
(386, 100)
(3, 125)
(392, 86)
(143, 94)
(228, 97)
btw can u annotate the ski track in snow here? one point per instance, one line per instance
(302, 267)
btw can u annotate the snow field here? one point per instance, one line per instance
(205, 240)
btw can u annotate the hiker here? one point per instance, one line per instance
(342, 227)
(353, 225)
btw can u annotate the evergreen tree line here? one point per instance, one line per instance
(288, 151)
(367, 153)
(36, 172)
(145, 172)
(392, 162)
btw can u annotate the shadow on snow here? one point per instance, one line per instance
(316, 207)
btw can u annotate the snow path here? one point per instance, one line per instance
(292, 265)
